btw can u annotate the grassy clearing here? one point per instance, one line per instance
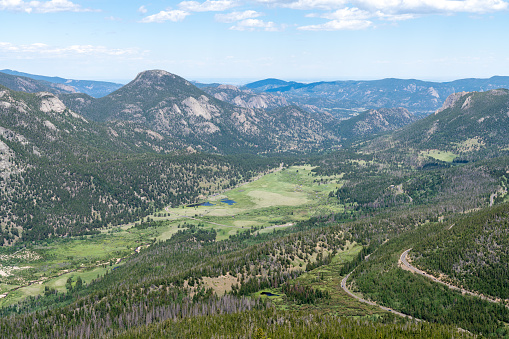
(56, 257)
(6, 287)
(279, 198)
(439, 155)
(58, 283)
(86, 275)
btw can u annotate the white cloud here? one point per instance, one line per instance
(433, 6)
(349, 14)
(237, 16)
(41, 50)
(338, 25)
(344, 14)
(42, 6)
(186, 8)
(170, 15)
(207, 6)
(255, 24)
(354, 18)
(396, 6)
(314, 4)
(395, 17)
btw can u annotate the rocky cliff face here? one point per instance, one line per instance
(245, 97)
(42, 124)
(382, 120)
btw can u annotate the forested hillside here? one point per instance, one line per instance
(471, 126)
(63, 174)
(470, 252)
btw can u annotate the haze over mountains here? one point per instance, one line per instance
(419, 97)
(340, 98)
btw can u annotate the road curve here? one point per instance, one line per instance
(413, 269)
(343, 286)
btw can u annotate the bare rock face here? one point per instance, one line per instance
(199, 107)
(229, 87)
(50, 103)
(6, 165)
(451, 101)
(468, 103)
(382, 120)
(246, 98)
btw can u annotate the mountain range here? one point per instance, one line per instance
(243, 122)
(174, 107)
(342, 99)
(346, 98)
(171, 112)
(95, 89)
(162, 114)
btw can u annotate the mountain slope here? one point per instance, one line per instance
(268, 84)
(375, 121)
(25, 84)
(61, 174)
(172, 106)
(467, 122)
(471, 252)
(295, 128)
(95, 89)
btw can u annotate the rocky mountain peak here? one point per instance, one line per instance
(157, 77)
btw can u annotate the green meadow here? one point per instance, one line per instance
(439, 155)
(276, 200)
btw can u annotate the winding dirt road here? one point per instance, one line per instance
(413, 269)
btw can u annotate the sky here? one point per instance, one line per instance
(237, 41)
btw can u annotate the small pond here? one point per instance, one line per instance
(229, 202)
(201, 204)
(268, 294)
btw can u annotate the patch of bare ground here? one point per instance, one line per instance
(221, 284)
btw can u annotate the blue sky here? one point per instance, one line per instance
(244, 40)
